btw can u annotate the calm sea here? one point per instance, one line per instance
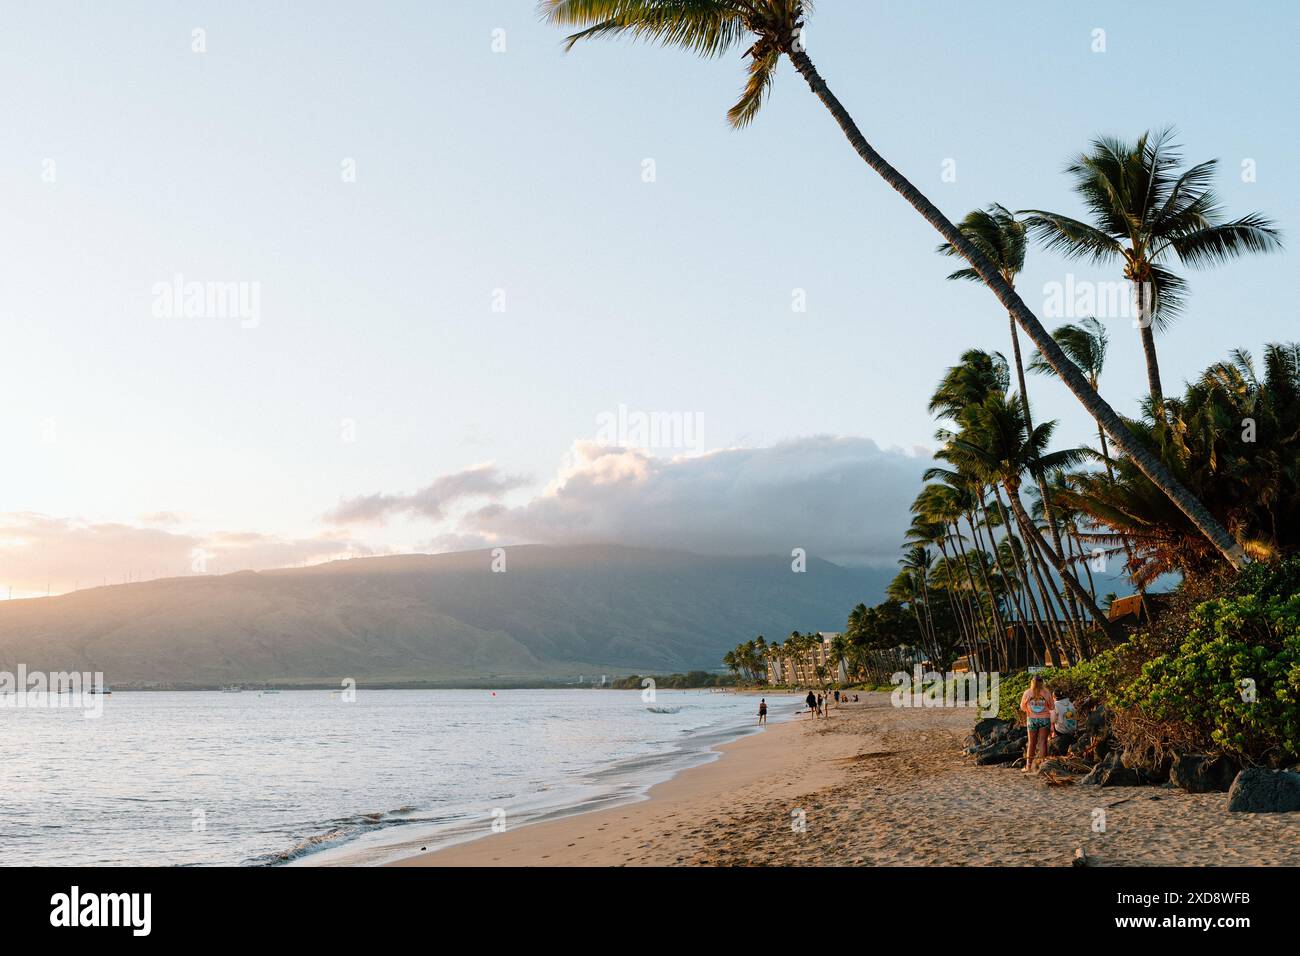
(202, 778)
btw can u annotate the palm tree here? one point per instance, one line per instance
(997, 445)
(1145, 214)
(774, 28)
(998, 234)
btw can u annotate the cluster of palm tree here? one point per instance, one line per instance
(1004, 528)
(748, 662)
(884, 639)
(1145, 213)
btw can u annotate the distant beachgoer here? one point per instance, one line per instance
(1038, 705)
(811, 701)
(762, 711)
(820, 702)
(837, 695)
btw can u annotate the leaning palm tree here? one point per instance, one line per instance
(774, 28)
(1146, 215)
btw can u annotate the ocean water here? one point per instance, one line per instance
(211, 778)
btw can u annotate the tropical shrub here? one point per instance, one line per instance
(1231, 686)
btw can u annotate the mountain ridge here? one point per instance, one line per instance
(433, 619)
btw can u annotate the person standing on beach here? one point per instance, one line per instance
(762, 710)
(811, 701)
(1038, 705)
(821, 701)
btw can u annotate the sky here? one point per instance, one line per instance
(486, 292)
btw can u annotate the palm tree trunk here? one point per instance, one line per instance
(1030, 536)
(1040, 625)
(984, 619)
(1013, 590)
(1069, 373)
(1057, 562)
(1147, 332)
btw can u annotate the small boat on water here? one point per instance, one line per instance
(232, 689)
(106, 691)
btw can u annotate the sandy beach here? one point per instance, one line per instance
(878, 785)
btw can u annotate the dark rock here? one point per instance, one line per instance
(1060, 745)
(1056, 766)
(1097, 719)
(1151, 764)
(1199, 773)
(1111, 772)
(1257, 790)
(984, 729)
(1002, 751)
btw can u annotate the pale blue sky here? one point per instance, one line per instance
(523, 171)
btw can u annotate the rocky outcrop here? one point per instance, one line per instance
(1257, 790)
(1202, 773)
(1111, 772)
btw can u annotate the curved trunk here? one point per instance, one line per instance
(1069, 373)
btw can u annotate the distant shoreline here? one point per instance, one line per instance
(485, 684)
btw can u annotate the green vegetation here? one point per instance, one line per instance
(690, 680)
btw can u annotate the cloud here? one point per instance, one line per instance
(37, 550)
(844, 499)
(480, 481)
